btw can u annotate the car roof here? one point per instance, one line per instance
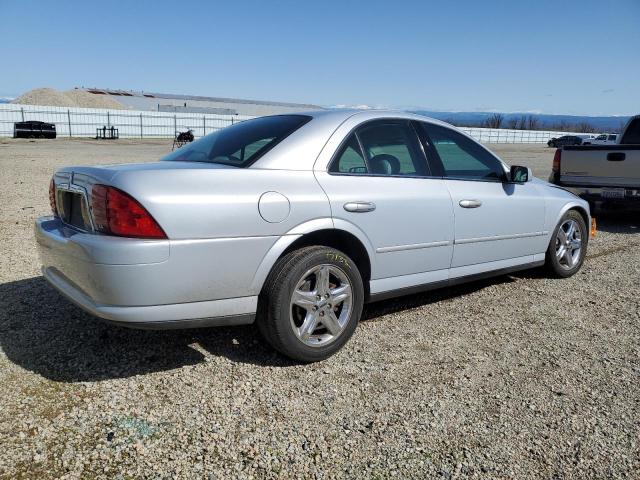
(300, 150)
(339, 115)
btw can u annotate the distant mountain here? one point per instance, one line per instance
(473, 119)
(5, 100)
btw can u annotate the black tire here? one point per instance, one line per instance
(275, 318)
(554, 265)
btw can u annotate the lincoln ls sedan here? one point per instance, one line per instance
(293, 222)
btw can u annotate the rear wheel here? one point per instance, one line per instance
(311, 303)
(568, 245)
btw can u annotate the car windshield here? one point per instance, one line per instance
(241, 144)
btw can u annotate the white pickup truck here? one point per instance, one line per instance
(602, 139)
(602, 173)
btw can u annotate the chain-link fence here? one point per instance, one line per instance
(504, 135)
(85, 122)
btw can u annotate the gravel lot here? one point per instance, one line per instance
(516, 377)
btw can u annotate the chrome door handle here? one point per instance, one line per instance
(470, 203)
(359, 207)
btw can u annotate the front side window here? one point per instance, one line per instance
(241, 144)
(461, 157)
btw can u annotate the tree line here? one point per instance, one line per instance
(529, 122)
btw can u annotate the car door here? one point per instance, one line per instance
(379, 182)
(497, 223)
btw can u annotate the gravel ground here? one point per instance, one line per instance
(517, 377)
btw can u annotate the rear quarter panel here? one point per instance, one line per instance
(224, 203)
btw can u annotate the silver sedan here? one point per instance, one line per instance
(295, 221)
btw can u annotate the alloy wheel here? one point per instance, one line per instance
(321, 305)
(568, 244)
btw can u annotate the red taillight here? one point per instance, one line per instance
(556, 161)
(116, 213)
(52, 197)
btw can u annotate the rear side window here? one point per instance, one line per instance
(461, 157)
(381, 148)
(392, 149)
(349, 159)
(241, 144)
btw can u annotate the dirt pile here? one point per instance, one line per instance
(70, 98)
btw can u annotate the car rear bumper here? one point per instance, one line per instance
(213, 313)
(141, 283)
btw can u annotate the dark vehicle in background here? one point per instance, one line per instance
(564, 140)
(606, 174)
(34, 129)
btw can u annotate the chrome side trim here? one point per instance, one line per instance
(415, 246)
(499, 237)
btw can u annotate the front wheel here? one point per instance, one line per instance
(568, 245)
(311, 303)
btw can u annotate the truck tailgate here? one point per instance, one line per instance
(602, 166)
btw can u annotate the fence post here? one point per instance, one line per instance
(204, 125)
(140, 125)
(22, 111)
(69, 119)
(175, 126)
(108, 119)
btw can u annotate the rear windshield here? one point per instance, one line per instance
(632, 132)
(241, 144)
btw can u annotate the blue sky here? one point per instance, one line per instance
(566, 57)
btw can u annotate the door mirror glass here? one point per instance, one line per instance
(519, 174)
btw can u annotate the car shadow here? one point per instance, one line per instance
(44, 333)
(622, 220)
(407, 302)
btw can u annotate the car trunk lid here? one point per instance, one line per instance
(73, 186)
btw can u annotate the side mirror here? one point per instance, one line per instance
(520, 174)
